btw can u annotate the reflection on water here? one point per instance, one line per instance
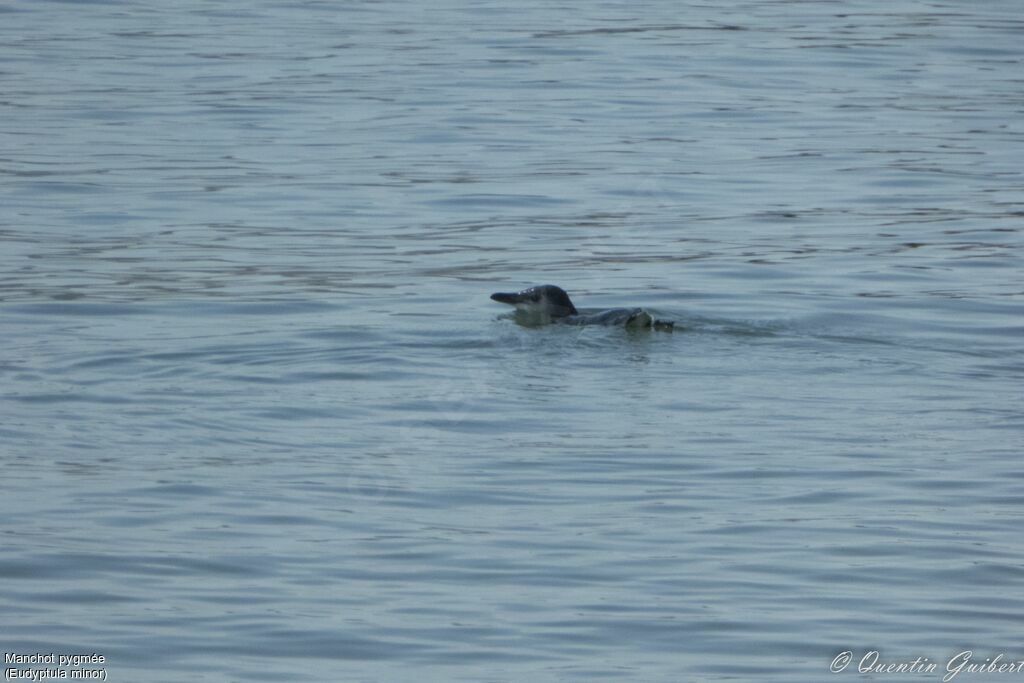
(261, 419)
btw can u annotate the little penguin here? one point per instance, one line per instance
(545, 304)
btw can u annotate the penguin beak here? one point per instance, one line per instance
(511, 298)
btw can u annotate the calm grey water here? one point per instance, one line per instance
(260, 421)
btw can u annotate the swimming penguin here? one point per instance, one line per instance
(550, 304)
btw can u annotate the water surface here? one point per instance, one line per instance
(260, 421)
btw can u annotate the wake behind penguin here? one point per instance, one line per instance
(546, 304)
